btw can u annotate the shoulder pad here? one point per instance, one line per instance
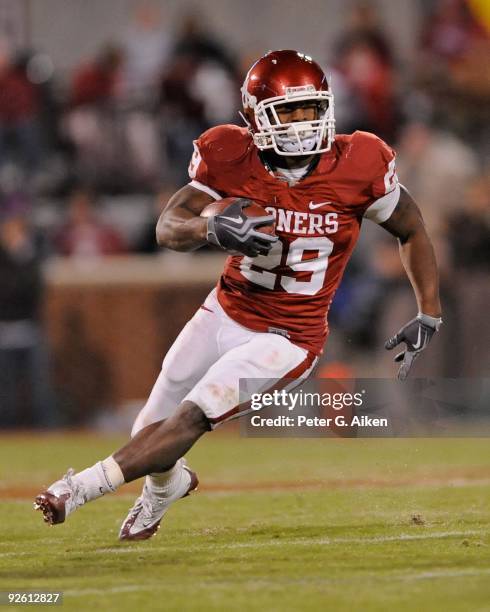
(367, 162)
(370, 149)
(224, 143)
(364, 152)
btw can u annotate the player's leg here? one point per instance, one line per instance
(268, 358)
(268, 361)
(196, 348)
(174, 436)
(188, 359)
(265, 356)
(179, 374)
(214, 399)
(216, 394)
(168, 441)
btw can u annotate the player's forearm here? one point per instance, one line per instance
(181, 234)
(417, 254)
(420, 264)
(180, 226)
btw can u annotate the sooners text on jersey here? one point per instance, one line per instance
(290, 290)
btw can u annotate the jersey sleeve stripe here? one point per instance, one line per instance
(382, 208)
(206, 189)
(390, 177)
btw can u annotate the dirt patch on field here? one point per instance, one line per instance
(461, 479)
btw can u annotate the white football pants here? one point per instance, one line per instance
(209, 357)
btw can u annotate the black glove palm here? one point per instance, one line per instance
(234, 232)
(416, 334)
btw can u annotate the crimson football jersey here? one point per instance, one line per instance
(289, 291)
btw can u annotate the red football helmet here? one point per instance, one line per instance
(285, 77)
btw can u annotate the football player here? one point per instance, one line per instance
(267, 317)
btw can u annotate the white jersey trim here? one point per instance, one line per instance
(382, 208)
(206, 189)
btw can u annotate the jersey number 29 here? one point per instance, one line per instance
(258, 270)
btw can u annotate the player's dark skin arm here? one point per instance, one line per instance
(416, 253)
(180, 227)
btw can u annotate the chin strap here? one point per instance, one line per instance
(246, 121)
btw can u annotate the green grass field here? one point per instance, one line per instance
(276, 525)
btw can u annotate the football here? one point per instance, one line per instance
(252, 210)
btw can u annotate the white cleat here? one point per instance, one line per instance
(143, 520)
(60, 499)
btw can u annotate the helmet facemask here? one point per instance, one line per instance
(298, 137)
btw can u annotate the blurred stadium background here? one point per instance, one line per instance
(99, 104)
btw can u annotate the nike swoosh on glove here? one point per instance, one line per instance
(416, 334)
(234, 232)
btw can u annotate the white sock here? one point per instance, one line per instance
(103, 477)
(164, 484)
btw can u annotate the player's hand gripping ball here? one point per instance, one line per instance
(240, 226)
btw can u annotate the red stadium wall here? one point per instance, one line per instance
(110, 324)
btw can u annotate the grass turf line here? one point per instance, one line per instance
(346, 548)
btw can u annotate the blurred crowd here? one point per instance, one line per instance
(122, 123)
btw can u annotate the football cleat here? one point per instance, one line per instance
(60, 499)
(143, 520)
